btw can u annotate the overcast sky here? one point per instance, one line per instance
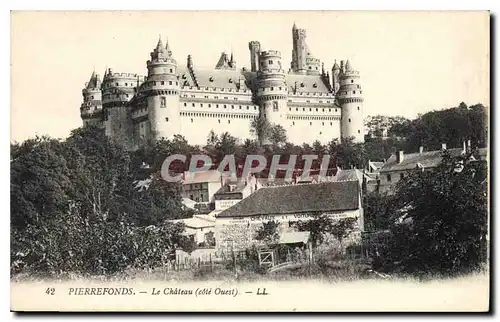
(410, 62)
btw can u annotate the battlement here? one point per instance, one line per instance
(273, 53)
(122, 75)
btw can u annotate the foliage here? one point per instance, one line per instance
(317, 227)
(76, 207)
(342, 228)
(268, 232)
(377, 210)
(441, 222)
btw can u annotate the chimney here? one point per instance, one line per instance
(190, 62)
(400, 156)
(464, 147)
(421, 149)
(443, 146)
(468, 146)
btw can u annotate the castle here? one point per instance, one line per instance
(172, 99)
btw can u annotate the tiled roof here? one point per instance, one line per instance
(308, 81)
(430, 159)
(220, 78)
(202, 177)
(299, 198)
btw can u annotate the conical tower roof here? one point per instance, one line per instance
(348, 66)
(335, 65)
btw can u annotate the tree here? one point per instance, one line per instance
(342, 228)
(277, 135)
(441, 222)
(316, 227)
(268, 232)
(260, 128)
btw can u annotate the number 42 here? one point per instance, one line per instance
(50, 291)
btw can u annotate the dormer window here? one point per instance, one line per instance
(315, 85)
(230, 80)
(183, 76)
(211, 79)
(302, 85)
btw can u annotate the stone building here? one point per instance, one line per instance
(235, 227)
(185, 99)
(400, 164)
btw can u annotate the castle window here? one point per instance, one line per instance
(290, 109)
(310, 123)
(217, 105)
(228, 121)
(92, 97)
(293, 123)
(388, 178)
(358, 108)
(240, 107)
(270, 62)
(169, 82)
(193, 104)
(163, 102)
(272, 88)
(191, 120)
(322, 123)
(162, 82)
(225, 106)
(316, 109)
(310, 67)
(323, 110)
(209, 105)
(303, 109)
(359, 131)
(248, 107)
(308, 101)
(354, 92)
(225, 98)
(185, 104)
(218, 121)
(232, 106)
(349, 120)
(116, 84)
(352, 80)
(255, 107)
(166, 119)
(201, 105)
(176, 83)
(296, 109)
(330, 123)
(335, 110)
(171, 70)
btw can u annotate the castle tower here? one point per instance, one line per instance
(299, 51)
(335, 77)
(91, 108)
(271, 87)
(350, 98)
(163, 93)
(254, 47)
(117, 90)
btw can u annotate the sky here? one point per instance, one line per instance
(409, 62)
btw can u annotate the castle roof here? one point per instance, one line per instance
(348, 66)
(94, 81)
(429, 159)
(335, 65)
(220, 78)
(299, 198)
(306, 83)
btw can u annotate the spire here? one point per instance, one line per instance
(159, 46)
(347, 66)
(294, 26)
(335, 65)
(167, 48)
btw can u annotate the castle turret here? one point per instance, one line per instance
(335, 77)
(299, 51)
(350, 98)
(117, 90)
(162, 90)
(271, 88)
(254, 47)
(91, 108)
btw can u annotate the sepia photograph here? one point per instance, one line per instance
(250, 161)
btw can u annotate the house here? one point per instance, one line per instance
(400, 164)
(199, 227)
(233, 191)
(235, 227)
(200, 186)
